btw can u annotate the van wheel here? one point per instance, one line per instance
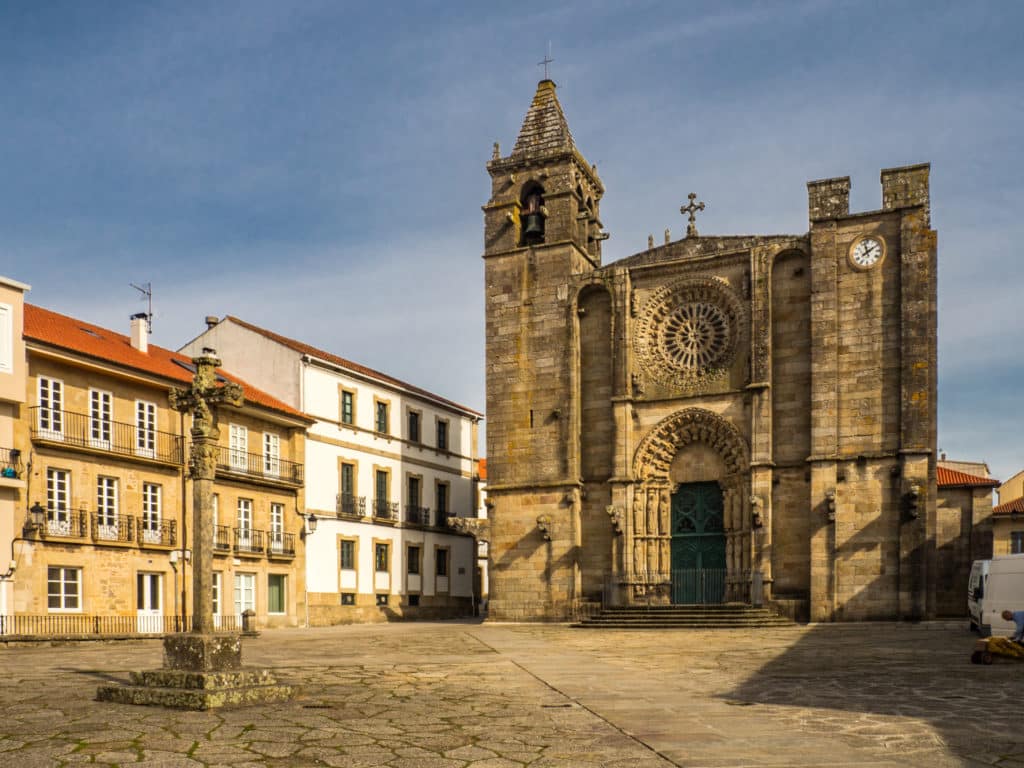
(976, 657)
(972, 627)
(987, 658)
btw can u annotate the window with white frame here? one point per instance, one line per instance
(277, 527)
(51, 408)
(6, 338)
(63, 589)
(216, 594)
(106, 508)
(271, 454)
(145, 428)
(244, 536)
(152, 502)
(58, 495)
(100, 415)
(245, 592)
(238, 447)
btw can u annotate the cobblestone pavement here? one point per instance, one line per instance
(464, 695)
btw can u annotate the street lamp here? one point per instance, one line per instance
(36, 517)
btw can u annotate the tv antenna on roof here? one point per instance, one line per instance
(146, 289)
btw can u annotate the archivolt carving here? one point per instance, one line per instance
(654, 455)
(689, 332)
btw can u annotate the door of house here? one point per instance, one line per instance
(148, 590)
(698, 544)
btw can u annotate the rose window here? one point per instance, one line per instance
(695, 336)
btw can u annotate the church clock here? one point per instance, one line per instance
(867, 251)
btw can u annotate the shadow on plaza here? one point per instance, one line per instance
(98, 674)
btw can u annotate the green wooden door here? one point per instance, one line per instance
(698, 544)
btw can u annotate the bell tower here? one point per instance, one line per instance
(541, 232)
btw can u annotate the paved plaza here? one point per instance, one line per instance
(466, 695)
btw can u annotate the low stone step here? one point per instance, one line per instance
(725, 616)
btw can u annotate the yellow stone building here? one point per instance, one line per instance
(106, 502)
(1008, 517)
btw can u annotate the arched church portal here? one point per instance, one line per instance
(690, 534)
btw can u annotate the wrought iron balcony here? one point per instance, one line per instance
(65, 523)
(385, 510)
(221, 538)
(351, 505)
(109, 527)
(259, 466)
(79, 430)
(10, 464)
(281, 544)
(248, 541)
(157, 533)
(416, 515)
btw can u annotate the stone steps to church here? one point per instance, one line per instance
(684, 617)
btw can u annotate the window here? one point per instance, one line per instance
(412, 561)
(244, 523)
(441, 562)
(106, 507)
(348, 415)
(100, 404)
(51, 405)
(382, 507)
(414, 427)
(275, 593)
(382, 598)
(414, 491)
(1016, 542)
(382, 417)
(277, 527)
(58, 516)
(6, 338)
(442, 435)
(271, 454)
(145, 428)
(380, 557)
(64, 589)
(347, 555)
(442, 500)
(414, 600)
(239, 446)
(151, 512)
(348, 479)
(245, 592)
(216, 593)
(348, 598)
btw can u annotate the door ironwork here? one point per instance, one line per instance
(698, 544)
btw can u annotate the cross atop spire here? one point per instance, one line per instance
(545, 61)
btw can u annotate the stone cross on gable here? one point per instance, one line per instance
(692, 208)
(201, 400)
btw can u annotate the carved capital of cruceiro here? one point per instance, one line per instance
(478, 527)
(202, 460)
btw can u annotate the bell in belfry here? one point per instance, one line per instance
(533, 218)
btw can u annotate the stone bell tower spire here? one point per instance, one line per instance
(541, 234)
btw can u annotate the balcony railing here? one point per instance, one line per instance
(157, 533)
(118, 528)
(66, 523)
(10, 463)
(280, 544)
(82, 431)
(260, 466)
(385, 510)
(416, 515)
(222, 538)
(351, 505)
(248, 541)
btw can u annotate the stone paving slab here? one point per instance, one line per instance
(462, 695)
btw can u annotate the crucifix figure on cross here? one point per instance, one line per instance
(201, 401)
(691, 209)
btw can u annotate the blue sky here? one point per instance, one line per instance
(318, 167)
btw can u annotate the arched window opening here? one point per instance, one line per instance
(532, 214)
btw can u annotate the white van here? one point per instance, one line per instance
(995, 586)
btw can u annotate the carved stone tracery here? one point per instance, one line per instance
(688, 332)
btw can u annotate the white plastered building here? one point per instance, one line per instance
(387, 464)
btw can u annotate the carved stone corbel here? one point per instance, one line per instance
(615, 514)
(544, 524)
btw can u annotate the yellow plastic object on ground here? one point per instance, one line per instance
(985, 651)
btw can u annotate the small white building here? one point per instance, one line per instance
(387, 464)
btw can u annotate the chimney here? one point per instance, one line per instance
(140, 332)
(211, 320)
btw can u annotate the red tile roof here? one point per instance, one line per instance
(306, 349)
(74, 335)
(951, 478)
(1014, 505)
(482, 469)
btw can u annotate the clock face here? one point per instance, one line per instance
(867, 252)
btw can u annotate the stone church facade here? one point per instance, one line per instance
(719, 418)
